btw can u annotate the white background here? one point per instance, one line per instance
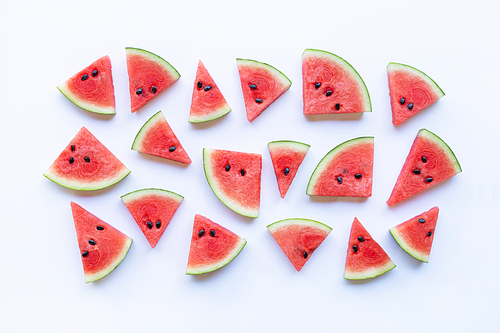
(42, 286)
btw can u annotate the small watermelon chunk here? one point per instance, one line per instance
(86, 165)
(234, 177)
(299, 238)
(212, 246)
(102, 247)
(261, 85)
(152, 210)
(410, 91)
(157, 138)
(148, 75)
(346, 171)
(331, 85)
(207, 103)
(429, 162)
(92, 87)
(365, 257)
(286, 156)
(415, 236)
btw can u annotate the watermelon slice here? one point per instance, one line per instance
(429, 162)
(299, 238)
(346, 171)
(207, 103)
(415, 236)
(152, 209)
(212, 246)
(261, 84)
(287, 156)
(102, 247)
(92, 88)
(148, 75)
(157, 138)
(331, 85)
(410, 91)
(365, 258)
(235, 179)
(86, 165)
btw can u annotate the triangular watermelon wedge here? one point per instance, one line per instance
(148, 75)
(261, 85)
(92, 87)
(102, 247)
(212, 246)
(157, 138)
(207, 102)
(299, 238)
(152, 210)
(415, 236)
(410, 91)
(286, 156)
(365, 257)
(86, 164)
(429, 162)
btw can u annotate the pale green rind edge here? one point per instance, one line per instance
(298, 221)
(156, 58)
(85, 187)
(296, 145)
(149, 191)
(370, 273)
(137, 144)
(210, 268)
(444, 146)
(214, 115)
(398, 66)
(277, 73)
(81, 103)
(415, 254)
(96, 276)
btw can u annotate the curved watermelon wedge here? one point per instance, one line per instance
(207, 102)
(152, 210)
(286, 156)
(331, 85)
(92, 87)
(102, 247)
(415, 236)
(157, 138)
(365, 257)
(212, 246)
(86, 164)
(429, 162)
(261, 85)
(299, 238)
(410, 91)
(346, 171)
(148, 74)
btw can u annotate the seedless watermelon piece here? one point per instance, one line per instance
(261, 85)
(85, 164)
(207, 102)
(102, 247)
(92, 88)
(286, 156)
(346, 171)
(235, 179)
(365, 257)
(157, 138)
(152, 209)
(331, 85)
(148, 75)
(212, 246)
(429, 162)
(299, 238)
(415, 236)
(410, 91)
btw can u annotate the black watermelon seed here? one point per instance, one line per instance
(94, 73)
(358, 176)
(428, 180)
(258, 100)
(305, 254)
(410, 106)
(71, 160)
(158, 224)
(361, 239)
(200, 85)
(138, 91)
(228, 167)
(99, 227)
(150, 225)
(91, 242)
(287, 171)
(339, 179)
(429, 234)
(416, 171)
(402, 101)
(424, 159)
(85, 253)
(421, 220)
(242, 171)
(72, 147)
(153, 89)
(337, 106)
(317, 85)
(329, 93)
(253, 86)
(86, 159)
(201, 233)
(355, 248)
(212, 233)
(207, 88)
(171, 149)
(85, 77)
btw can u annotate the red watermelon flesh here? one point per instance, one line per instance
(92, 88)
(286, 156)
(429, 162)
(365, 257)
(86, 164)
(415, 236)
(157, 138)
(410, 91)
(212, 246)
(152, 210)
(102, 247)
(207, 102)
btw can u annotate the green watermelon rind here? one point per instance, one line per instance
(213, 115)
(112, 266)
(295, 145)
(395, 66)
(271, 69)
(137, 194)
(139, 138)
(155, 58)
(63, 88)
(444, 146)
(369, 273)
(298, 221)
(330, 156)
(81, 186)
(405, 246)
